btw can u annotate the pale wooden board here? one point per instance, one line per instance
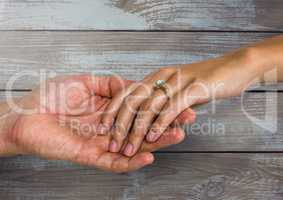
(141, 15)
(173, 176)
(251, 122)
(132, 55)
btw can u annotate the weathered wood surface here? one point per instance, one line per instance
(251, 122)
(130, 54)
(221, 15)
(174, 176)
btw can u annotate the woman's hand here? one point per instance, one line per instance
(152, 110)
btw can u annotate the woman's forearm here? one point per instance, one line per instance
(187, 85)
(269, 53)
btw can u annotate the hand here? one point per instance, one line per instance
(151, 111)
(62, 109)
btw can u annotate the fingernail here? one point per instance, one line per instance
(152, 136)
(113, 146)
(129, 150)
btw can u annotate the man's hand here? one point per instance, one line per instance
(61, 119)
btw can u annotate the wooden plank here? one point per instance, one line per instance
(247, 15)
(131, 54)
(173, 176)
(252, 122)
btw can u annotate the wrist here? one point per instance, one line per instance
(252, 59)
(8, 122)
(266, 59)
(256, 62)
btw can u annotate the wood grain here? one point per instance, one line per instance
(173, 176)
(130, 54)
(251, 122)
(247, 15)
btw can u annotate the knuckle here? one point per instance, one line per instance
(146, 106)
(142, 91)
(136, 138)
(154, 104)
(127, 106)
(167, 70)
(110, 110)
(129, 102)
(120, 132)
(138, 134)
(139, 129)
(163, 119)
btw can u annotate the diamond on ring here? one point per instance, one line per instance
(160, 84)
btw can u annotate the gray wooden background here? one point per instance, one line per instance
(133, 38)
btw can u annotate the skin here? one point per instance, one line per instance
(48, 130)
(145, 112)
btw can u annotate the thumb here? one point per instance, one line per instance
(106, 86)
(188, 116)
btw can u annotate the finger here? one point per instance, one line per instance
(94, 107)
(88, 153)
(105, 86)
(108, 117)
(174, 136)
(115, 106)
(86, 125)
(186, 117)
(183, 100)
(57, 142)
(92, 104)
(138, 161)
(170, 137)
(69, 94)
(118, 163)
(108, 86)
(140, 127)
(130, 105)
(150, 109)
(112, 109)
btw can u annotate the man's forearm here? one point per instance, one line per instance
(7, 120)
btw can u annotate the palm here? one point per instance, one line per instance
(42, 133)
